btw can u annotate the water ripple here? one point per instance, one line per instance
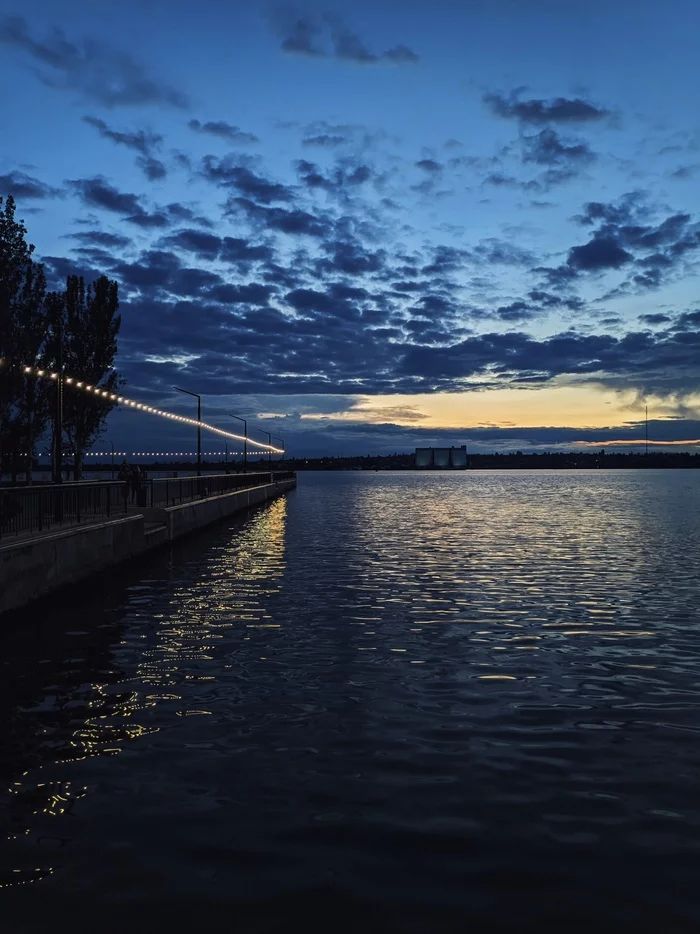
(415, 690)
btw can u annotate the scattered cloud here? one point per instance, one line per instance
(331, 37)
(541, 112)
(98, 193)
(548, 148)
(223, 130)
(92, 68)
(142, 141)
(25, 187)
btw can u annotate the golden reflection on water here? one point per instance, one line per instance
(231, 590)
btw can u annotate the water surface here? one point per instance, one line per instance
(388, 701)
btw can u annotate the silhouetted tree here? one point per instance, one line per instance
(22, 333)
(90, 326)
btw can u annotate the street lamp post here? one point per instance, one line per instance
(281, 441)
(245, 439)
(199, 426)
(112, 446)
(58, 451)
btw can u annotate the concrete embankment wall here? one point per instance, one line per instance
(31, 568)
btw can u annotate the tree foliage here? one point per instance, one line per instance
(91, 324)
(23, 408)
(38, 329)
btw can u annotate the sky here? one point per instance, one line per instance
(375, 226)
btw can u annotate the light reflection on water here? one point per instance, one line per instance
(417, 690)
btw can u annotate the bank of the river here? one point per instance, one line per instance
(37, 564)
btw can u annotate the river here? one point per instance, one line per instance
(389, 701)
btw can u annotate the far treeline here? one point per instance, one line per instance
(513, 461)
(77, 328)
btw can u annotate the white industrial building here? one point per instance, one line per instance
(442, 458)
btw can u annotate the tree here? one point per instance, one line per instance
(21, 288)
(90, 324)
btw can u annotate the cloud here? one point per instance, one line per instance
(223, 130)
(203, 245)
(151, 167)
(144, 219)
(430, 166)
(655, 319)
(98, 193)
(227, 173)
(101, 238)
(142, 141)
(658, 249)
(92, 68)
(539, 112)
(548, 148)
(331, 37)
(401, 54)
(599, 253)
(293, 222)
(299, 34)
(325, 140)
(684, 172)
(25, 187)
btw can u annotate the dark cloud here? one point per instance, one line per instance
(655, 319)
(446, 259)
(203, 245)
(151, 167)
(183, 213)
(684, 172)
(326, 140)
(516, 311)
(141, 141)
(101, 238)
(548, 148)
(223, 130)
(240, 252)
(430, 166)
(345, 175)
(599, 253)
(293, 222)
(251, 293)
(98, 193)
(658, 249)
(348, 46)
(24, 187)
(689, 321)
(92, 68)
(351, 258)
(505, 253)
(227, 174)
(300, 35)
(401, 54)
(331, 37)
(629, 208)
(156, 220)
(541, 184)
(538, 112)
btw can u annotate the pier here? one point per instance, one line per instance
(55, 535)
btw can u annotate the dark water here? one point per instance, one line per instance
(391, 702)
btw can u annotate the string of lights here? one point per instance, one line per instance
(142, 407)
(160, 453)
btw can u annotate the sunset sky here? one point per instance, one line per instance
(376, 225)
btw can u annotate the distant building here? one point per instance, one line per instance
(442, 458)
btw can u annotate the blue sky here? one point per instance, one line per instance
(373, 227)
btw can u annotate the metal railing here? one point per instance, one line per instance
(46, 506)
(176, 490)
